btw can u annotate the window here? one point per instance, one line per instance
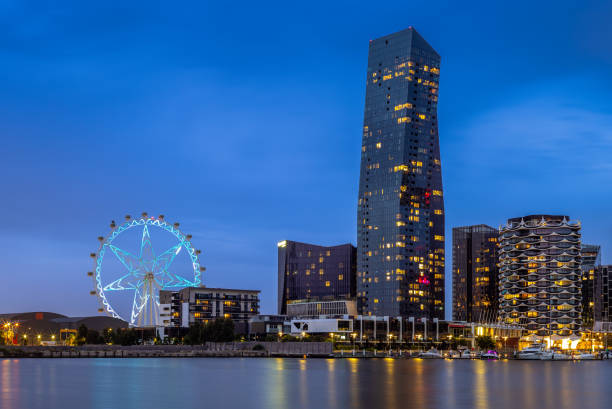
(327, 284)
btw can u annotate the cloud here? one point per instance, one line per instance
(540, 135)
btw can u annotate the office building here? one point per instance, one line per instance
(308, 272)
(539, 278)
(475, 273)
(590, 259)
(400, 212)
(602, 309)
(197, 305)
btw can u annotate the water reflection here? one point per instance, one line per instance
(301, 383)
(481, 391)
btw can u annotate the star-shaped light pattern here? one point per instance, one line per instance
(146, 274)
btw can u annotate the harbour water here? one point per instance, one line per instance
(302, 383)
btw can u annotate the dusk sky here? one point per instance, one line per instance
(243, 123)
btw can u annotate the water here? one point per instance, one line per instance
(252, 383)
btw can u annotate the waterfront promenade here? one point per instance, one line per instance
(210, 349)
(252, 349)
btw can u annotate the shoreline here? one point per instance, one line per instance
(217, 350)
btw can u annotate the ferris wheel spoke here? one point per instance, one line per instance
(127, 282)
(163, 261)
(147, 255)
(130, 261)
(140, 300)
(166, 280)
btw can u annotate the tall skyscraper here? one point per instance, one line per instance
(400, 214)
(475, 273)
(307, 272)
(539, 274)
(590, 259)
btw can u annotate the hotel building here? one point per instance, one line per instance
(539, 277)
(400, 211)
(312, 273)
(475, 273)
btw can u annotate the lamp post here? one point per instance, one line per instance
(353, 335)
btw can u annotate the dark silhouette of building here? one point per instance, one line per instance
(475, 273)
(539, 274)
(400, 214)
(49, 326)
(317, 273)
(602, 309)
(590, 259)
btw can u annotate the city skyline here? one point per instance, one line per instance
(100, 127)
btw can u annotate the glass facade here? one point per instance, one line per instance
(318, 273)
(602, 309)
(400, 215)
(590, 258)
(539, 274)
(475, 290)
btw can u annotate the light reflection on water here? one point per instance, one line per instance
(301, 383)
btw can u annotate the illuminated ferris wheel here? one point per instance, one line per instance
(130, 270)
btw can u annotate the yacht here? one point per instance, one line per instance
(560, 356)
(533, 351)
(466, 354)
(454, 354)
(585, 356)
(431, 354)
(489, 355)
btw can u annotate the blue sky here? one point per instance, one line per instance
(243, 123)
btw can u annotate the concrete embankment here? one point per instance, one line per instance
(210, 349)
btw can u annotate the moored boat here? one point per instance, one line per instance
(533, 351)
(454, 355)
(489, 355)
(431, 354)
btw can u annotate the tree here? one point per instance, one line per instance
(81, 337)
(219, 330)
(93, 337)
(485, 342)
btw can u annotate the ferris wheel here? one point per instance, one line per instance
(130, 270)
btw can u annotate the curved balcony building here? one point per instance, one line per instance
(539, 274)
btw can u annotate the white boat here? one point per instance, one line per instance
(466, 354)
(431, 354)
(585, 356)
(454, 354)
(533, 351)
(546, 355)
(489, 355)
(560, 356)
